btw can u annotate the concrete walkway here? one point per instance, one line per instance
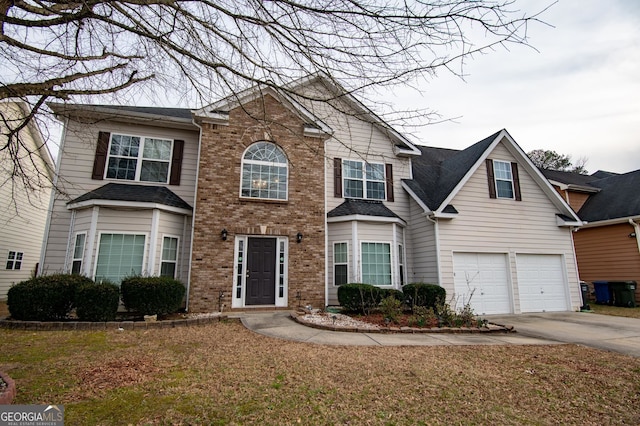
(280, 325)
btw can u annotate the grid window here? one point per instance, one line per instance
(14, 260)
(78, 254)
(264, 172)
(376, 263)
(138, 158)
(504, 179)
(119, 256)
(340, 263)
(169, 257)
(401, 263)
(363, 180)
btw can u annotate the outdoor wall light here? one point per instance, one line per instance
(632, 235)
(299, 237)
(223, 234)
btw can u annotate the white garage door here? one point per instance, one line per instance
(483, 277)
(541, 282)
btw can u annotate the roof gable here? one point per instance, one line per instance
(437, 180)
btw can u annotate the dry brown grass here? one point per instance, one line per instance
(616, 310)
(4, 311)
(225, 374)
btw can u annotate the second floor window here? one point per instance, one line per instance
(264, 172)
(139, 158)
(363, 180)
(504, 179)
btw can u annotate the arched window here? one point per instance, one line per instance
(264, 172)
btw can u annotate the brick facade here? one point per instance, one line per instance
(219, 206)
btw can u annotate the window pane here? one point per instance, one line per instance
(353, 188)
(505, 189)
(78, 250)
(76, 266)
(154, 171)
(502, 170)
(157, 149)
(375, 172)
(340, 253)
(124, 146)
(168, 269)
(340, 274)
(376, 263)
(352, 169)
(121, 168)
(375, 190)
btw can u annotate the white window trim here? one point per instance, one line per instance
(239, 302)
(495, 180)
(391, 261)
(265, 163)
(177, 261)
(333, 261)
(97, 248)
(139, 158)
(13, 268)
(73, 252)
(364, 179)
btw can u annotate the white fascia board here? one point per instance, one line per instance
(363, 218)
(417, 199)
(128, 205)
(440, 215)
(563, 223)
(615, 221)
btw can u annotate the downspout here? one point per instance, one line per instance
(326, 236)
(193, 217)
(637, 231)
(432, 219)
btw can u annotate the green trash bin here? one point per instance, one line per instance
(624, 293)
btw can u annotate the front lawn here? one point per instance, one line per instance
(224, 374)
(616, 310)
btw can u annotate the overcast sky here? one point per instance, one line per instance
(578, 95)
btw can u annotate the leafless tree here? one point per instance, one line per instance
(201, 50)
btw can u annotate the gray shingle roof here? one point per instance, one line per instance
(138, 193)
(568, 177)
(438, 170)
(168, 112)
(619, 197)
(362, 207)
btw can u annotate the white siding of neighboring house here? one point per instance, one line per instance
(505, 226)
(76, 165)
(23, 212)
(422, 250)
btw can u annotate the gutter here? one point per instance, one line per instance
(636, 226)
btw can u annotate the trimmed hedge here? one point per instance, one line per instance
(45, 298)
(97, 302)
(357, 297)
(423, 294)
(152, 295)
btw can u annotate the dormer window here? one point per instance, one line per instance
(503, 180)
(264, 172)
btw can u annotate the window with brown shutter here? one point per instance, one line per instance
(516, 181)
(491, 179)
(100, 159)
(337, 177)
(388, 168)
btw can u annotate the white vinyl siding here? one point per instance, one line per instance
(422, 240)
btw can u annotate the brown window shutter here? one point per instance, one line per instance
(491, 179)
(100, 160)
(516, 181)
(337, 177)
(176, 162)
(388, 171)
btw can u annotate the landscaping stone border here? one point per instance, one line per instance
(110, 325)
(7, 395)
(491, 328)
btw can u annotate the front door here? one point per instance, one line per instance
(261, 272)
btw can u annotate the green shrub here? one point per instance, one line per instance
(152, 295)
(97, 302)
(391, 308)
(422, 294)
(391, 292)
(357, 297)
(45, 298)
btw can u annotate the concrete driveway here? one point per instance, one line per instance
(617, 334)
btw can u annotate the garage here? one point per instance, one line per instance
(542, 283)
(484, 278)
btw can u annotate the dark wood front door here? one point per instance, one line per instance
(261, 272)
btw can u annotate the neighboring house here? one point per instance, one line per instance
(608, 244)
(281, 200)
(23, 209)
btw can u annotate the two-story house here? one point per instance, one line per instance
(268, 199)
(24, 203)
